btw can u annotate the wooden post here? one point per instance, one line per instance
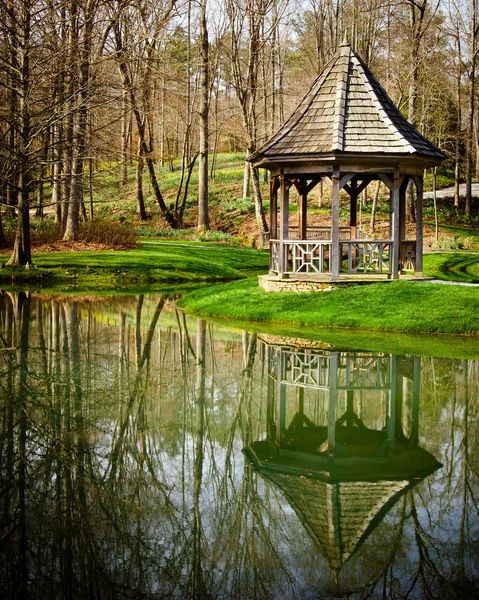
(353, 216)
(402, 209)
(391, 413)
(395, 224)
(335, 250)
(303, 208)
(283, 224)
(415, 401)
(333, 398)
(273, 208)
(282, 398)
(419, 181)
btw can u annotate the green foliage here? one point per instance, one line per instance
(242, 206)
(215, 236)
(456, 243)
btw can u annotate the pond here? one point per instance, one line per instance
(147, 454)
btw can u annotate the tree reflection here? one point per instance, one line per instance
(122, 474)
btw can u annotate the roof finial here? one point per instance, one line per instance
(345, 41)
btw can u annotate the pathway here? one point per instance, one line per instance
(449, 191)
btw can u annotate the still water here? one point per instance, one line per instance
(144, 454)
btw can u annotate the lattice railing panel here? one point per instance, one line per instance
(371, 256)
(274, 250)
(306, 369)
(308, 257)
(365, 372)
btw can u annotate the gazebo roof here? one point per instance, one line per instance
(346, 111)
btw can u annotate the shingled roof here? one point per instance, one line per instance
(346, 111)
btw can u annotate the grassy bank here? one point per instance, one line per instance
(153, 262)
(397, 306)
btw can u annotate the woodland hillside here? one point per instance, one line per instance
(148, 94)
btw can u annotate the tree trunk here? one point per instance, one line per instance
(140, 201)
(21, 254)
(203, 218)
(470, 120)
(125, 118)
(76, 191)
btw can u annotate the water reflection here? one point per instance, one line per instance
(342, 442)
(144, 454)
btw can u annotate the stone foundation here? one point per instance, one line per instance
(273, 284)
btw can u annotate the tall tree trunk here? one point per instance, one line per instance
(125, 118)
(21, 254)
(203, 218)
(470, 119)
(142, 139)
(140, 201)
(76, 192)
(57, 172)
(458, 137)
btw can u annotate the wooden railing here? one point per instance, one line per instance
(407, 255)
(319, 233)
(366, 256)
(315, 233)
(293, 257)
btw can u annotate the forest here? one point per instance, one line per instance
(127, 90)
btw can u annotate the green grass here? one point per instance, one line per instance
(397, 306)
(153, 262)
(453, 266)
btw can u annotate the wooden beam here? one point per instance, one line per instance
(345, 179)
(328, 182)
(312, 184)
(363, 185)
(388, 182)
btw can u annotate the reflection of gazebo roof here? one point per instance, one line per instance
(340, 502)
(346, 110)
(338, 516)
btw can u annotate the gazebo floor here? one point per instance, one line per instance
(323, 283)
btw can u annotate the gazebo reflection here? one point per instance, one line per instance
(342, 440)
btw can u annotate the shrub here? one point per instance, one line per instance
(44, 231)
(215, 236)
(447, 243)
(110, 233)
(166, 233)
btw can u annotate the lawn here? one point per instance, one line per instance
(158, 262)
(415, 307)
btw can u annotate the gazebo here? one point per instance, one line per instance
(345, 133)
(342, 439)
